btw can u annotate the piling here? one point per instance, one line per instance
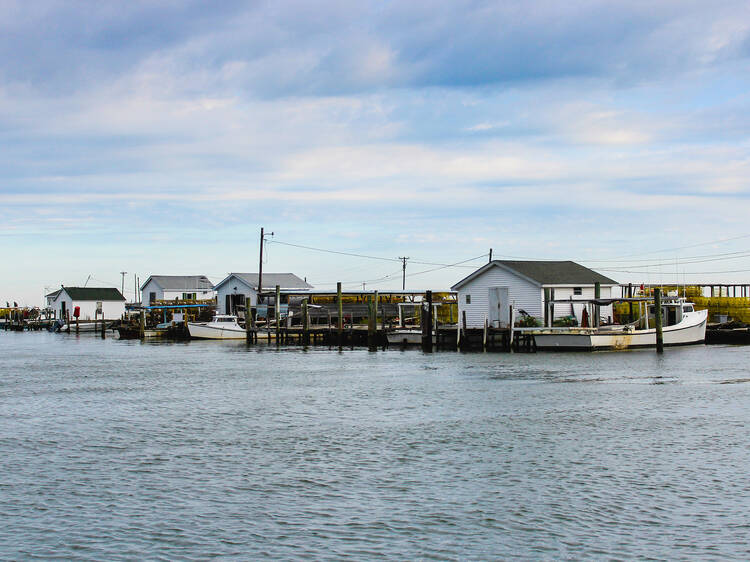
(427, 323)
(142, 324)
(547, 319)
(597, 295)
(340, 320)
(630, 304)
(305, 323)
(104, 326)
(77, 325)
(372, 321)
(657, 321)
(277, 312)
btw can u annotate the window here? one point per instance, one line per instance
(152, 298)
(468, 299)
(577, 291)
(687, 309)
(188, 296)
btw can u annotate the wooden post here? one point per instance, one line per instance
(511, 323)
(597, 295)
(630, 304)
(371, 320)
(305, 323)
(76, 324)
(427, 323)
(277, 311)
(464, 341)
(547, 319)
(104, 326)
(142, 324)
(340, 321)
(657, 321)
(484, 333)
(67, 322)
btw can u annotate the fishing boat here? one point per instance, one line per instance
(221, 327)
(683, 326)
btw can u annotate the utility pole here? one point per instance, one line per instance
(260, 264)
(403, 282)
(123, 273)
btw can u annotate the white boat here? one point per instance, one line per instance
(221, 327)
(406, 336)
(685, 326)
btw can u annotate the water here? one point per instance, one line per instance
(123, 450)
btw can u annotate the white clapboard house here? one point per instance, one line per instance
(237, 289)
(181, 287)
(91, 302)
(492, 289)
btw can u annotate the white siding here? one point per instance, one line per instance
(112, 309)
(522, 294)
(151, 287)
(228, 288)
(169, 294)
(587, 292)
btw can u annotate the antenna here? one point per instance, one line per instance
(123, 273)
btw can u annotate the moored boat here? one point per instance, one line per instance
(685, 326)
(221, 327)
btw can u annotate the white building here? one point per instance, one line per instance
(171, 287)
(237, 289)
(90, 301)
(492, 289)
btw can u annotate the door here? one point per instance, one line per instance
(499, 302)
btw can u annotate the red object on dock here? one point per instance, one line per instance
(76, 312)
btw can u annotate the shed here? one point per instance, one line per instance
(492, 289)
(92, 302)
(170, 287)
(237, 289)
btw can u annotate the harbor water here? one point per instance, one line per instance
(116, 450)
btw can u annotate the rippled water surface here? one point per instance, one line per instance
(115, 449)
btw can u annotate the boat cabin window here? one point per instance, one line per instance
(687, 308)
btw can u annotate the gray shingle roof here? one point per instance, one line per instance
(181, 282)
(94, 294)
(547, 272)
(270, 280)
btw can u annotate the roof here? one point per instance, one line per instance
(53, 295)
(270, 280)
(94, 294)
(545, 273)
(180, 282)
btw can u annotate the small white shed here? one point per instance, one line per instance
(492, 289)
(91, 302)
(237, 289)
(182, 287)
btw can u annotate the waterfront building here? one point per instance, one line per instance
(180, 287)
(91, 302)
(237, 289)
(492, 289)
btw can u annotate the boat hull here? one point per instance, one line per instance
(685, 333)
(208, 331)
(406, 337)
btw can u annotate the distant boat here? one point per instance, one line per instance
(221, 327)
(685, 326)
(406, 336)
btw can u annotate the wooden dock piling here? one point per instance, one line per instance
(427, 323)
(658, 321)
(340, 319)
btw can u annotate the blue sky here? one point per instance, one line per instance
(158, 137)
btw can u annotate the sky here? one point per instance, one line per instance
(156, 137)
